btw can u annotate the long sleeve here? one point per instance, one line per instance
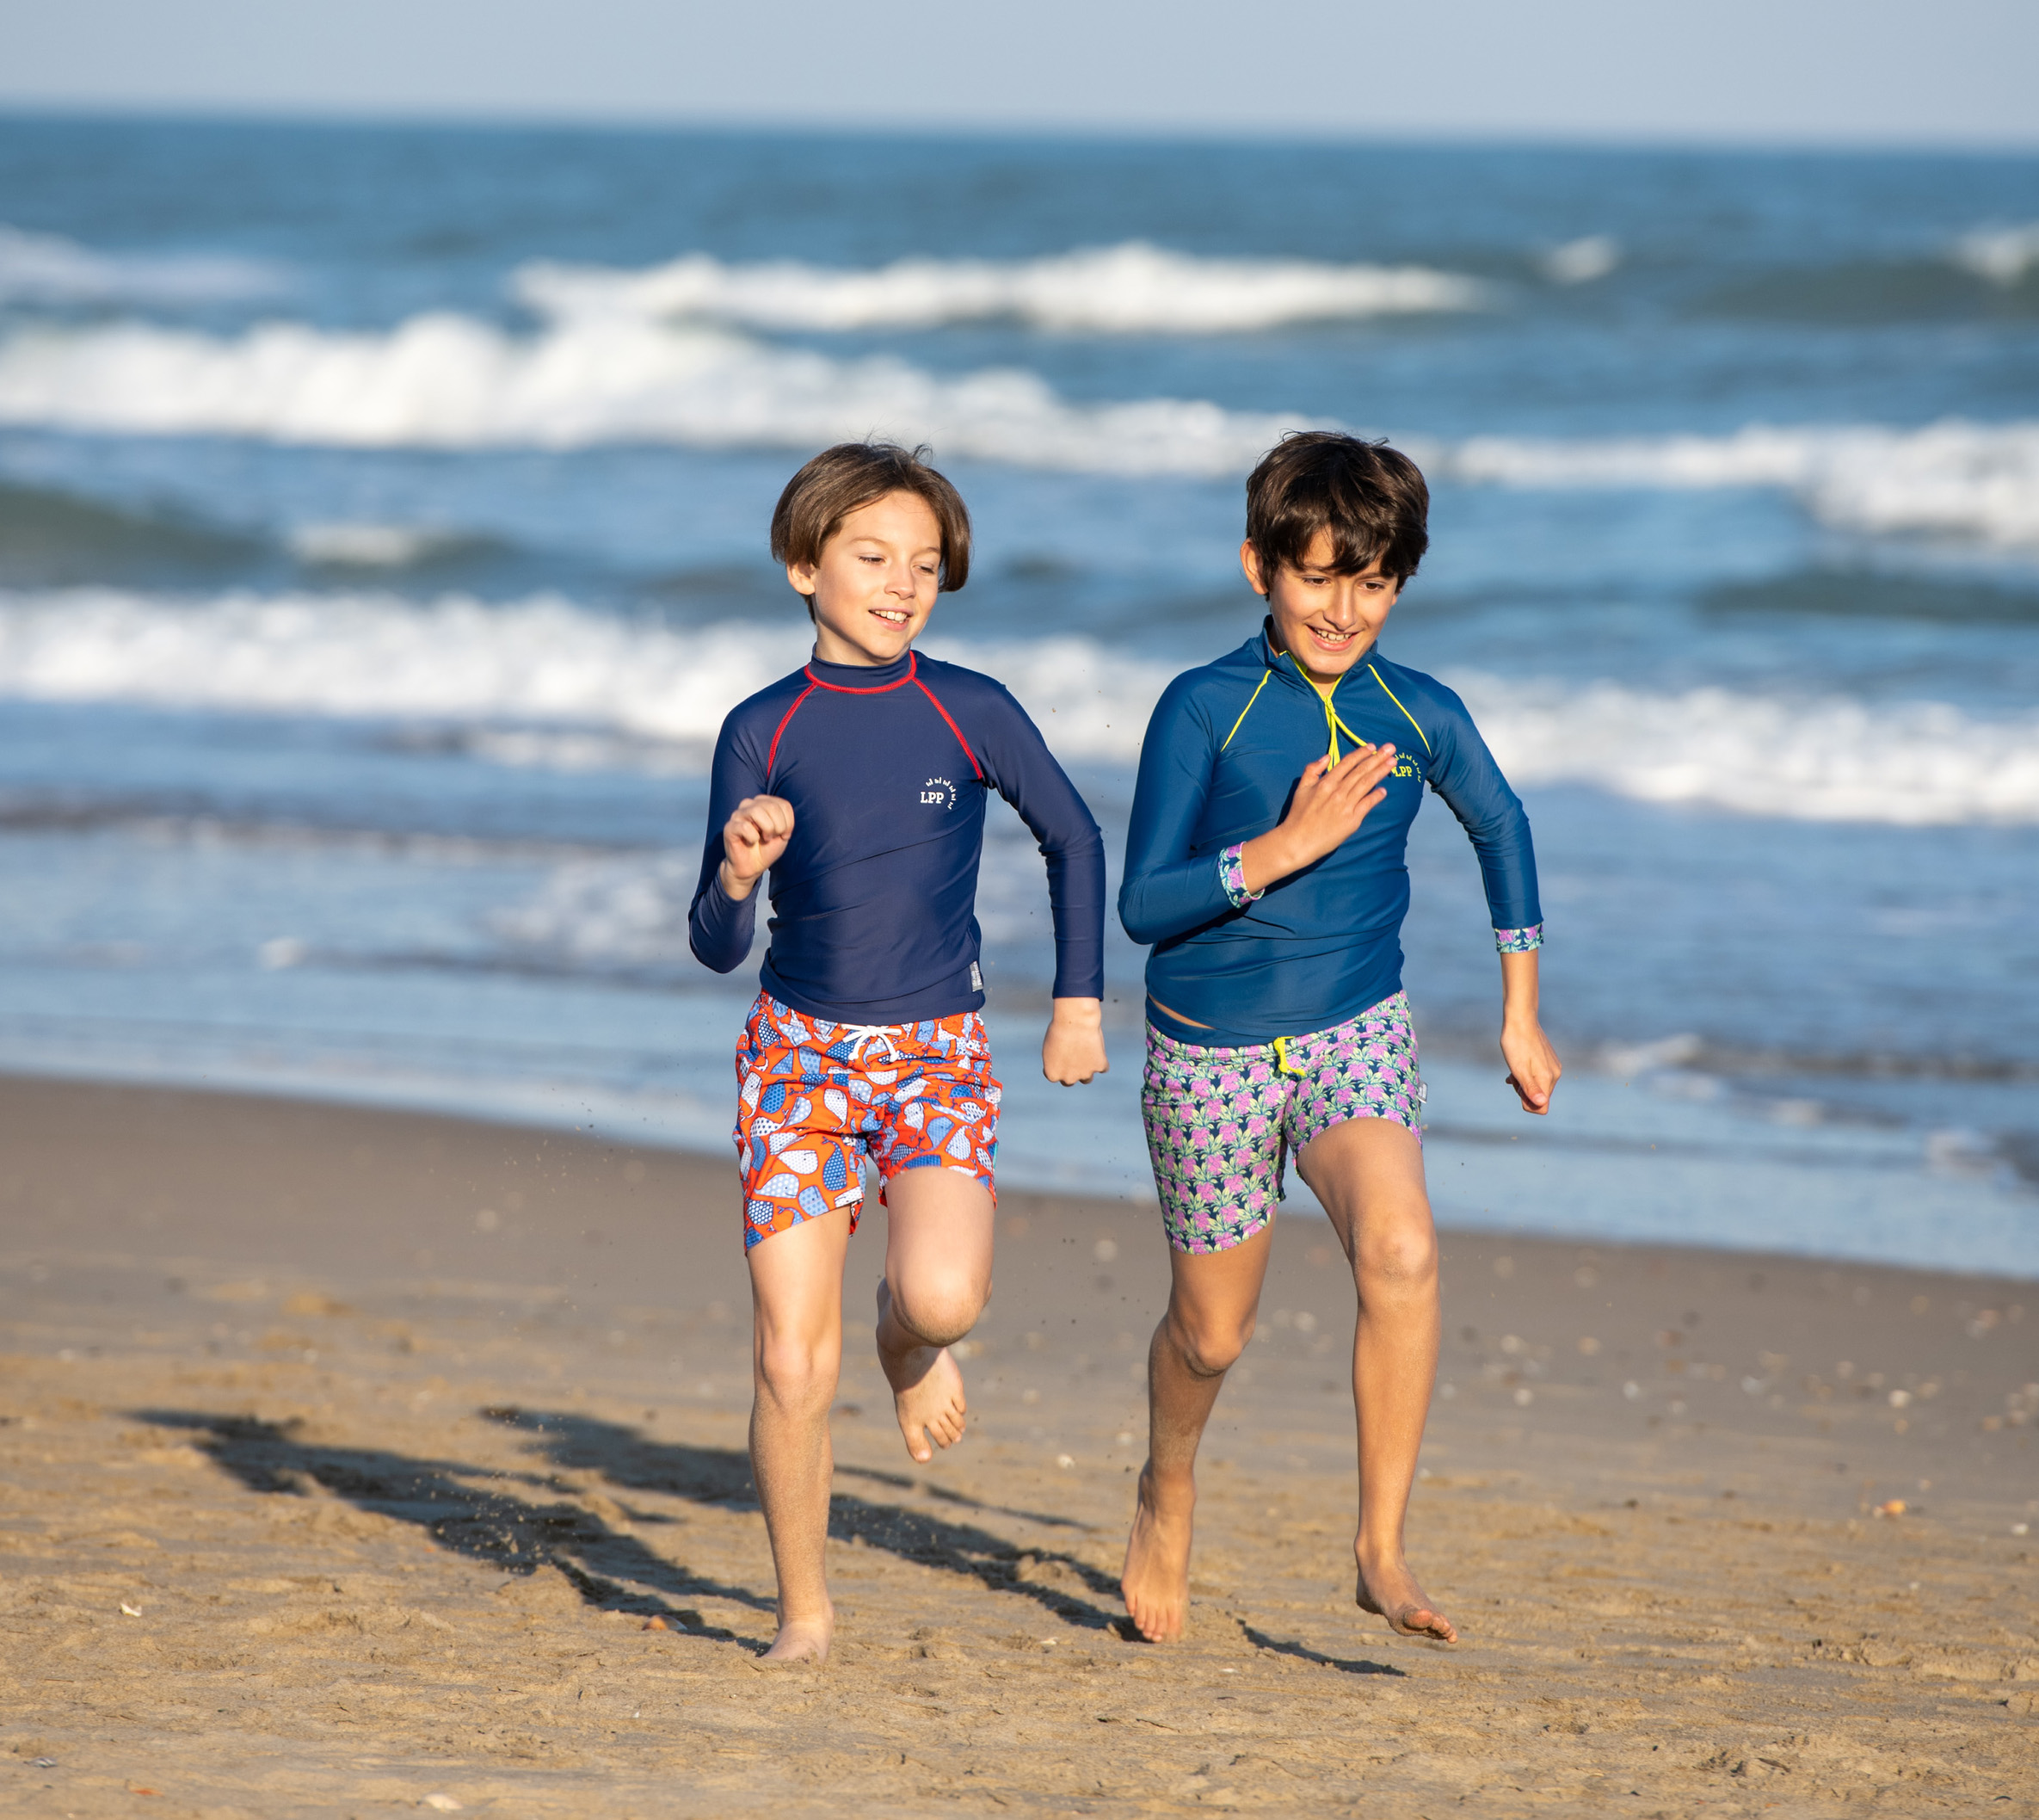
(1026, 774)
(719, 928)
(1473, 788)
(1167, 891)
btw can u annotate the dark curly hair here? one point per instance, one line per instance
(1371, 499)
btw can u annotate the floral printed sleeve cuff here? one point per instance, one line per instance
(1231, 869)
(1518, 941)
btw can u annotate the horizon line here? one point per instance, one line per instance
(483, 118)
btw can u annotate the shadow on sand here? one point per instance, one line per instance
(1302, 1652)
(507, 1521)
(469, 1510)
(628, 1457)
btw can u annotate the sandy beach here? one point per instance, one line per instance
(358, 1462)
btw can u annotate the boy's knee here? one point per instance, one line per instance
(796, 1371)
(939, 1308)
(1401, 1257)
(1209, 1348)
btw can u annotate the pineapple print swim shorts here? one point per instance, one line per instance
(1221, 1123)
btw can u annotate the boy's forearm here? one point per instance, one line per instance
(1518, 987)
(1076, 903)
(720, 927)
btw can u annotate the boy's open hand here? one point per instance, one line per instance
(1330, 802)
(752, 840)
(1073, 1048)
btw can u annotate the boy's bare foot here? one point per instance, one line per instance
(803, 1640)
(927, 1389)
(1389, 1590)
(1155, 1581)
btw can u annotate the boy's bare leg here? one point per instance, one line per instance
(1368, 1174)
(1212, 1300)
(796, 1291)
(936, 1279)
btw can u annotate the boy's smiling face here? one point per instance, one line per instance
(875, 582)
(1326, 621)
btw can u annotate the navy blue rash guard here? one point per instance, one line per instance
(874, 899)
(1223, 752)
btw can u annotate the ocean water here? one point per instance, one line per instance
(382, 520)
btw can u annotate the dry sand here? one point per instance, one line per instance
(345, 1458)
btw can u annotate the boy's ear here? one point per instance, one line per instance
(1249, 560)
(800, 577)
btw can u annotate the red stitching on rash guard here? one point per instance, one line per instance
(953, 728)
(913, 670)
(771, 756)
(912, 675)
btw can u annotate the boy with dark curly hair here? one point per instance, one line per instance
(1266, 865)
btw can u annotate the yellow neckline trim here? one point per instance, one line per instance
(1249, 708)
(1396, 700)
(1333, 724)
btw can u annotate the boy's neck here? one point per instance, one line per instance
(831, 647)
(858, 660)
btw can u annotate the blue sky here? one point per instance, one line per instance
(1737, 71)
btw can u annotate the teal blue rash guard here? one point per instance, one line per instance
(1224, 753)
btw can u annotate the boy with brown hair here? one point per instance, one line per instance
(859, 783)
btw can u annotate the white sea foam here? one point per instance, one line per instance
(46, 268)
(1133, 289)
(1582, 261)
(543, 661)
(1817, 759)
(604, 691)
(2001, 254)
(366, 543)
(1977, 481)
(628, 908)
(451, 382)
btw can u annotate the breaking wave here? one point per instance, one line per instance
(1133, 289)
(451, 382)
(542, 660)
(376, 655)
(1977, 481)
(1817, 760)
(47, 269)
(548, 663)
(2003, 255)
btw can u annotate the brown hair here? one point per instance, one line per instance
(840, 480)
(1370, 498)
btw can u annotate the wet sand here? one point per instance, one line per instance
(355, 1462)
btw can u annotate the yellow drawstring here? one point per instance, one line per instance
(1333, 725)
(1283, 1064)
